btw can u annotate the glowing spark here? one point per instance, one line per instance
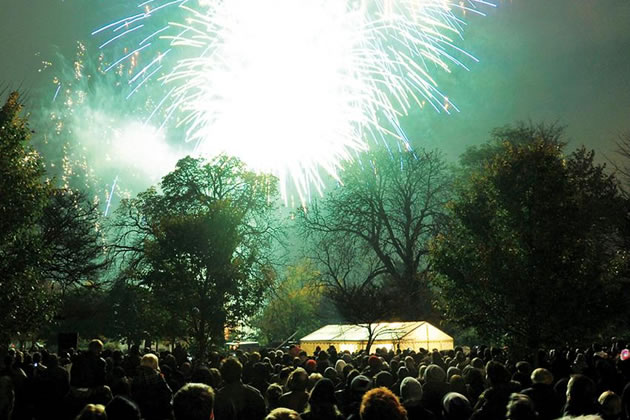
(295, 87)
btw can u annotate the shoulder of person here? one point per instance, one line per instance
(253, 390)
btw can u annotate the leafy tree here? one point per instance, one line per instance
(370, 237)
(73, 240)
(294, 306)
(24, 301)
(49, 237)
(530, 252)
(84, 311)
(134, 315)
(202, 245)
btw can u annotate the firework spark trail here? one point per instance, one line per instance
(293, 87)
(56, 92)
(111, 194)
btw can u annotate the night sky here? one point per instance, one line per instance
(544, 60)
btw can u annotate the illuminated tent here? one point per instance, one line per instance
(411, 335)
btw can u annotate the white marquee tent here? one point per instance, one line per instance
(411, 335)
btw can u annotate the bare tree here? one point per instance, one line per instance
(370, 236)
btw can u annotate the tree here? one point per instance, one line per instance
(370, 237)
(24, 296)
(352, 280)
(73, 241)
(134, 314)
(623, 151)
(84, 311)
(529, 253)
(293, 307)
(202, 245)
(49, 237)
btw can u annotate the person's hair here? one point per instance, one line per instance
(272, 395)
(610, 404)
(322, 402)
(451, 371)
(542, 376)
(520, 407)
(497, 373)
(202, 375)
(410, 390)
(95, 345)
(313, 378)
(455, 406)
(381, 403)
(434, 373)
(92, 412)
(581, 388)
(523, 367)
(283, 413)
(477, 363)
(193, 401)
(323, 392)
(298, 380)
(231, 370)
(150, 360)
(122, 408)
(384, 378)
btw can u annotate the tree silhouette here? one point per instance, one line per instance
(24, 295)
(370, 237)
(530, 252)
(202, 244)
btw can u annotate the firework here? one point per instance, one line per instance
(291, 87)
(89, 136)
(110, 196)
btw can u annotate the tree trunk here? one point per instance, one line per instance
(370, 341)
(202, 341)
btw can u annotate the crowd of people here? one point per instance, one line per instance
(480, 383)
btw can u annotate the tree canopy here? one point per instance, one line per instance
(49, 236)
(294, 306)
(370, 236)
(529, 253)
(24, 301)
(202, 244)
(72, 237)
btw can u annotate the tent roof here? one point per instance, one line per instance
(384, 331)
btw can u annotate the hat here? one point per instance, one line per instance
(323, 392)
(360, 384)
(410, 390)
(330, 373)
(434, 373)
(383, 378)
(374, 361)
(455, 405)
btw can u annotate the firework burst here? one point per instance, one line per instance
(292, 87)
